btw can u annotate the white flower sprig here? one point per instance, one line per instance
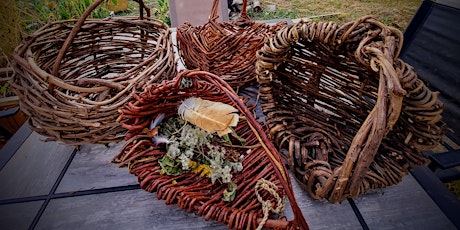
(193, 144)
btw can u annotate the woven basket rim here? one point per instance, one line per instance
(64, 109)
(377, 49)
(172, 92)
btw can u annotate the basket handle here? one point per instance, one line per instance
(215, 7)
(79, 24)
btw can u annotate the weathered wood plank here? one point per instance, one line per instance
(134, 209)
(34, 168)
(403, 206)
(91, 169)
(18, 216)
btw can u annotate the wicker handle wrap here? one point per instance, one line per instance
(78, 25)
(350, 88)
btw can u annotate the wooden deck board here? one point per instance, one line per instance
(34, 168)
(91, 169)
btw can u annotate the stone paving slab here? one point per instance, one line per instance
(91, 169)
(34, 168)
(18, 216)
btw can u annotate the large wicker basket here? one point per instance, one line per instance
(227, 49)
(72, 76)
(351, 114)
(190, 191)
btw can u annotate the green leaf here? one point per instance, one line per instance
(4, 88)
(230, 193)
(235, 135)
(170, 166)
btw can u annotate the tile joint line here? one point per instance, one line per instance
(358, 214)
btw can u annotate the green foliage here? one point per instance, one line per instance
(230, 193)
(267, 15)
(170, 166)
(191, 149)
(4, 89)
(162, 13)
(11, 29)
(39, 11)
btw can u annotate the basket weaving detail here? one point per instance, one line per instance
(72, 76)
(225, 49)
(351, 114)
(263, 177)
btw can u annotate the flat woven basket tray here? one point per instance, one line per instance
(351, 114)
(72, 76)
(227, 49)
(253, 203)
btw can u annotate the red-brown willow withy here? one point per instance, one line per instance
(353, 116)
(227, 49)
(190, 191)
(72, 76)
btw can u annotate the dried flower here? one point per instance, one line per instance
(160, 139)
(192, 149)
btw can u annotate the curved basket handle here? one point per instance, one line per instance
(243, 13)
(215, 7)
(371, 50)
(79, 24)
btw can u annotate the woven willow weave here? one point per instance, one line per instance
(72, 76)
(225, 49)
(351, 114)
(190, 191)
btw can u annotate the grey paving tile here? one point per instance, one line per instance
(18, 216)
(13, 144)
(133, 209)
(34, 168)
(404, 206)
(322, 214)
(91, 169)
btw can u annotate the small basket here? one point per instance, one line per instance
(225, 49)
(190, 191)
(72, 76)
(351, 114)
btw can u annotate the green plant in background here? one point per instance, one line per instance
(67, 9)
(11, 29)
(74, 9)
(162, 13)
(39, 12)
(159, 10)
(267, 15)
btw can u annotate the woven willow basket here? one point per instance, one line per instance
(72, 76)
(190, 191)
(225, 49)
(351, 115)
